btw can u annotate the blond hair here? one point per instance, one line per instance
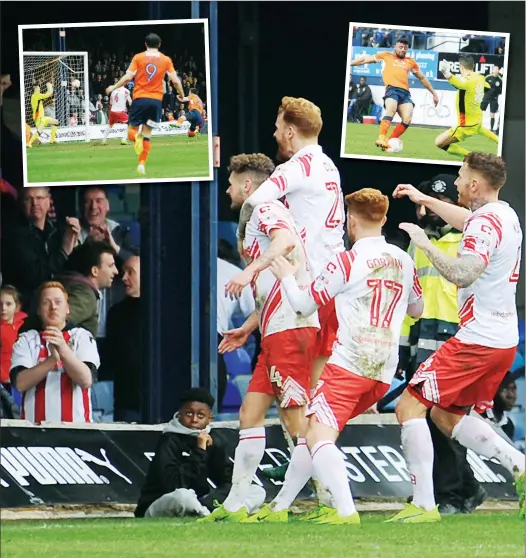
(302, 114)
(368, 204)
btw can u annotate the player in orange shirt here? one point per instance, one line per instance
(147, 69)
(395, 75)
(194, 114)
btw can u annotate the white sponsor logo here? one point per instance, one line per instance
(52, 466)
(96, 132)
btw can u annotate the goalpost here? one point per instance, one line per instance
(69, 98)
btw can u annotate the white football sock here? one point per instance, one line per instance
(298, 473)
(106, 133)
(249, 453)
(478, 436)
(124, 134)
(419, 455)
(329, 468)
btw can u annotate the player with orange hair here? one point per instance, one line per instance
(374, 285)
(397, 99)
(147, 69)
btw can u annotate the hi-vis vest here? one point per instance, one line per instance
(439, 320)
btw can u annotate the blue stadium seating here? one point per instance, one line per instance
(376, 111)
(238, 363)
(520, 381)
(227, 230)
(517, 417)
(390, 406)
(232, 399)
(102, 402)
(135, 230)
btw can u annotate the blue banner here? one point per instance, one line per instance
(426, 59)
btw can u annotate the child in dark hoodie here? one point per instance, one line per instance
(187, 455)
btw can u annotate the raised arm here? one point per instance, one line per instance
(365, 59)
(285, 179)
(452, 214)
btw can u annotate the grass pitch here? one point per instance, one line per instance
(419, 143)
(480, 535)
(170, 157)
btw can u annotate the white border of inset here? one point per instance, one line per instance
(458, 163)
(209, 108)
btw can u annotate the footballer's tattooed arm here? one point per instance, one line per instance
(461, 271)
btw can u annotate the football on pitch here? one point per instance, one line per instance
(75, 83)
(395, 145)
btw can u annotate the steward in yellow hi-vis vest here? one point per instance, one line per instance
(456, 489)
(440, 319)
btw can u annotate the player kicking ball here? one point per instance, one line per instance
(147, 69)
(288, 341)
(470, 94)
(397, 99)
(374, 285)
(41, 121)
(194, 115)
(120, 99)
(468, 368)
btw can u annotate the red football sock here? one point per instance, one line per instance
(399, 130)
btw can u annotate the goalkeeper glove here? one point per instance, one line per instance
(443, 66)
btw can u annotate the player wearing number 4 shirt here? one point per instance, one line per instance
(288, 340)
(466, 371)
(147, 69)
(120, 99)
(308, 183)
(373, 286)
(470, 86)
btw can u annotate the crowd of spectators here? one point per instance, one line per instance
(373, 37)
(107, 64)
(71, 272)
(110, 67)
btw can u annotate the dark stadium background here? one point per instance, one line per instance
(268, 50)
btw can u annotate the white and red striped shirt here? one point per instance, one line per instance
(118, 99)
(274, 310)
(56, 398)
(487, 308)
(309, 185)
(372, 285)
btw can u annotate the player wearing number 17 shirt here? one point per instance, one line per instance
(147, 69)
(466, 371)
(373, 286)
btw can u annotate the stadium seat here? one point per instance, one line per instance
(376, 111)
(238, 363)
(232, 399)
(135, 230)
(17, 396)
(241, 382)
(518, 363)
(227, 230)
(102, 402)
(517, 417)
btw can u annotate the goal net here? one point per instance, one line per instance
(67, 72)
